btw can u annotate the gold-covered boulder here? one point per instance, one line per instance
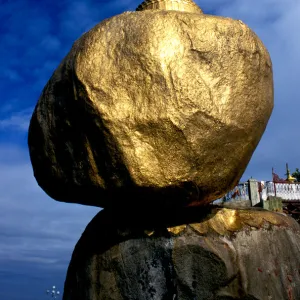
(165, 104)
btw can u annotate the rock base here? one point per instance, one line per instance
(213, 254)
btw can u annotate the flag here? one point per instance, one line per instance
(276, 178)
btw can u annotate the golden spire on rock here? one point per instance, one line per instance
(289, 177)
(180, 5)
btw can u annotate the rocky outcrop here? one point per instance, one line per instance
(167, 103)
(192, 254)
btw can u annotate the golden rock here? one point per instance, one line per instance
(164, 105)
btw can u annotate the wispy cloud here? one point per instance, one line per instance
(11, 75)
(16, 121)
(34, 227)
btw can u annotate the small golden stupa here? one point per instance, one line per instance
(179, 5)
(289, 177)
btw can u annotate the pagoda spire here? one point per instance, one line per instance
(289, 177)
(179, 5)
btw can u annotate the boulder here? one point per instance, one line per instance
(219, 254)
(153, 104)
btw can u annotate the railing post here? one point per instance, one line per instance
(253, 192)
(275, 189)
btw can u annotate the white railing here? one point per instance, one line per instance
(264, 189)
(286, 191)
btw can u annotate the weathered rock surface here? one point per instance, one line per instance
(229, 254)
(163, 102)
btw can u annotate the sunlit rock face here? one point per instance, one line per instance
(226, 255)
(161, 105)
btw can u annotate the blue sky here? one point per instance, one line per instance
(37, 234)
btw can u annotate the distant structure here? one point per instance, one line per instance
(281, 195)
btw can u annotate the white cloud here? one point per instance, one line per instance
(34, 227)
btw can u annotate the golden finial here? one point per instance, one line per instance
(289, 177)
(181, 5)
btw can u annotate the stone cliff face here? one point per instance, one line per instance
(220, 254)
